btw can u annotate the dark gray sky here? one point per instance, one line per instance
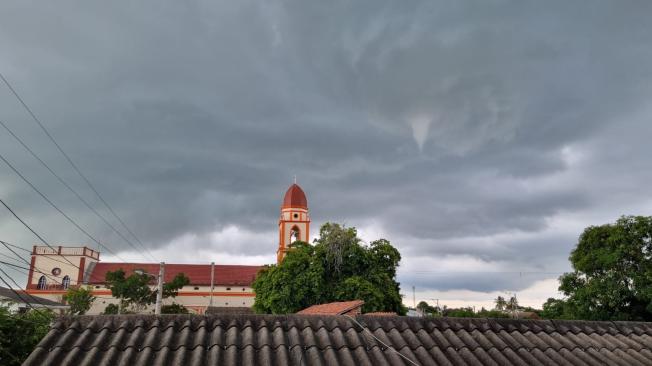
(479, 138)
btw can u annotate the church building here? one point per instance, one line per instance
(55, 269)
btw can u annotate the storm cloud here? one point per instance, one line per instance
(480, 139)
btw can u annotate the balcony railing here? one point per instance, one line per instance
(60, 250)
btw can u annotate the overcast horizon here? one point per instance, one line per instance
(479, 138)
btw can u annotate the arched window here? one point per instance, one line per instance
(65, 282)
(294, 234)
(42, 283)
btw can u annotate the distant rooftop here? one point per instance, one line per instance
(333, 308)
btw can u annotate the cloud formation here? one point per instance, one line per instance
(478, 138)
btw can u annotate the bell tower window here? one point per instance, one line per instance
(65, 283)
(42, 283)
(295, 234)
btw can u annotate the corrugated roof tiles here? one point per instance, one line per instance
(339, 340)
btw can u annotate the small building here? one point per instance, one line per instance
(338, 340)
(19, 301)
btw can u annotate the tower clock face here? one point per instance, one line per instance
(56, 271)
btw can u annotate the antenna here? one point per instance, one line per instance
(295, 179)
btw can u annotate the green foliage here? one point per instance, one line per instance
(460, 313)
(469, 312)
(512, 304)
(135, 292)
(174, 309)
(555, 309)
(80, 299)
(612, 277)
(426, 309)
(19, 333)
(337, 268)
(111, 309)
(501, 303)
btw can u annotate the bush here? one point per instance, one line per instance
(174, 309)
(20, 333)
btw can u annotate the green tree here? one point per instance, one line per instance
(555, 309)
(426, 309)
(466, 312)
(512, 304)
(135, 293)
(112, 309)
(174, 309)
(20, 333)
(338, 267)
(612, 273)
(501, 304)
(80, 299)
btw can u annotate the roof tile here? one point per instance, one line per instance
(332, 308)
(199, 274)
(232, 339)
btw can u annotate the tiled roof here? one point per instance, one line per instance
(228, 310)
(295, 198)
(199, 274)
(381, 313)
(332, 308)
(339, 340)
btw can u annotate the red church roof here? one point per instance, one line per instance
(295, 198)
(199, 274)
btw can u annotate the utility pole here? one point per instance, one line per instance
(159, 293)
(210, 302)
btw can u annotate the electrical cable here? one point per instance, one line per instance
(18, 294)
(65, 184)
(23, 269)
(56, 207)
(74, 166)
(30, 252)
(364, 329)
(32, 230)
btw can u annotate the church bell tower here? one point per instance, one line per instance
(294, 223)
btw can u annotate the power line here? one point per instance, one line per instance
(56, 207)
(13, 265)
(74, 166)
(36, 269)
(367, 331)
(32, 230)
(18, 294)
(28, 263)
(52, 259)
(62, 181)
(8, 257)
(16, 246)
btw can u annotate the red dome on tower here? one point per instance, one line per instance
(295, 198)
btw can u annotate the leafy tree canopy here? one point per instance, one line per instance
(612, 277)
(338, 267)
(426, 308)
(20, 333)
(174, 309)
(135, 292)
(80, 299)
